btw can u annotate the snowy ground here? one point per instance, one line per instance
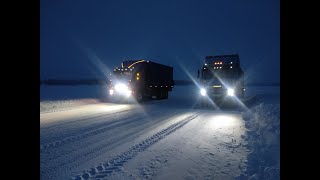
(84, 136)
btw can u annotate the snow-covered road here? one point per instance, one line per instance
(167, 139)
(105, 138)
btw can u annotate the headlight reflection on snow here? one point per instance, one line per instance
(221, 121)
(113, 107)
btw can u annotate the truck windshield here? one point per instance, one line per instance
(222, 74)
(123, 75)
(207, 74)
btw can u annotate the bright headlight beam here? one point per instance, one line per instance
(203, 92)
(230, 92)
(111, 91)
(128, 93)
(120, 87)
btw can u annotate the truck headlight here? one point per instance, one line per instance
(203, 92)
(111, 91)
(122, 89)
(230, 92)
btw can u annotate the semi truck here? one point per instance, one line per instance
(141, 79)
(221, 78)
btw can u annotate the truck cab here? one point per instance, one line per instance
(221, 77)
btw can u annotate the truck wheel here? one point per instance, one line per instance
(139, 97)
(160, 94)
(165, 94)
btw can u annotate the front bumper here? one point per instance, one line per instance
(216, 93)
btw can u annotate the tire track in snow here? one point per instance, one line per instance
(116, 164)
(61, 160)
(91, 147)
(86, 119)
(88, 132)
(69, 135)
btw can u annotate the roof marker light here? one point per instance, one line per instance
(135, 63)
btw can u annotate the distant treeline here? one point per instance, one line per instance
(104, 81)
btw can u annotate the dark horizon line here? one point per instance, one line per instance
(103, 81)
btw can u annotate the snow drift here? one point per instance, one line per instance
(263, 138)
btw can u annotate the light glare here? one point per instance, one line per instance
(111, 91)
(120, 87)
(203, 92)
(230, 92)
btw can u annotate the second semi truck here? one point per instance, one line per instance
(222, 78)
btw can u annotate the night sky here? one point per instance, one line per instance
(86, 38)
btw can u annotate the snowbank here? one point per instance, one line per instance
(57, 98)
(50, 92)
(263, 138)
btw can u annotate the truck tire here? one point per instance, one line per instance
(139, 97)
(165, 94)
(159, 94)
(162, 94)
